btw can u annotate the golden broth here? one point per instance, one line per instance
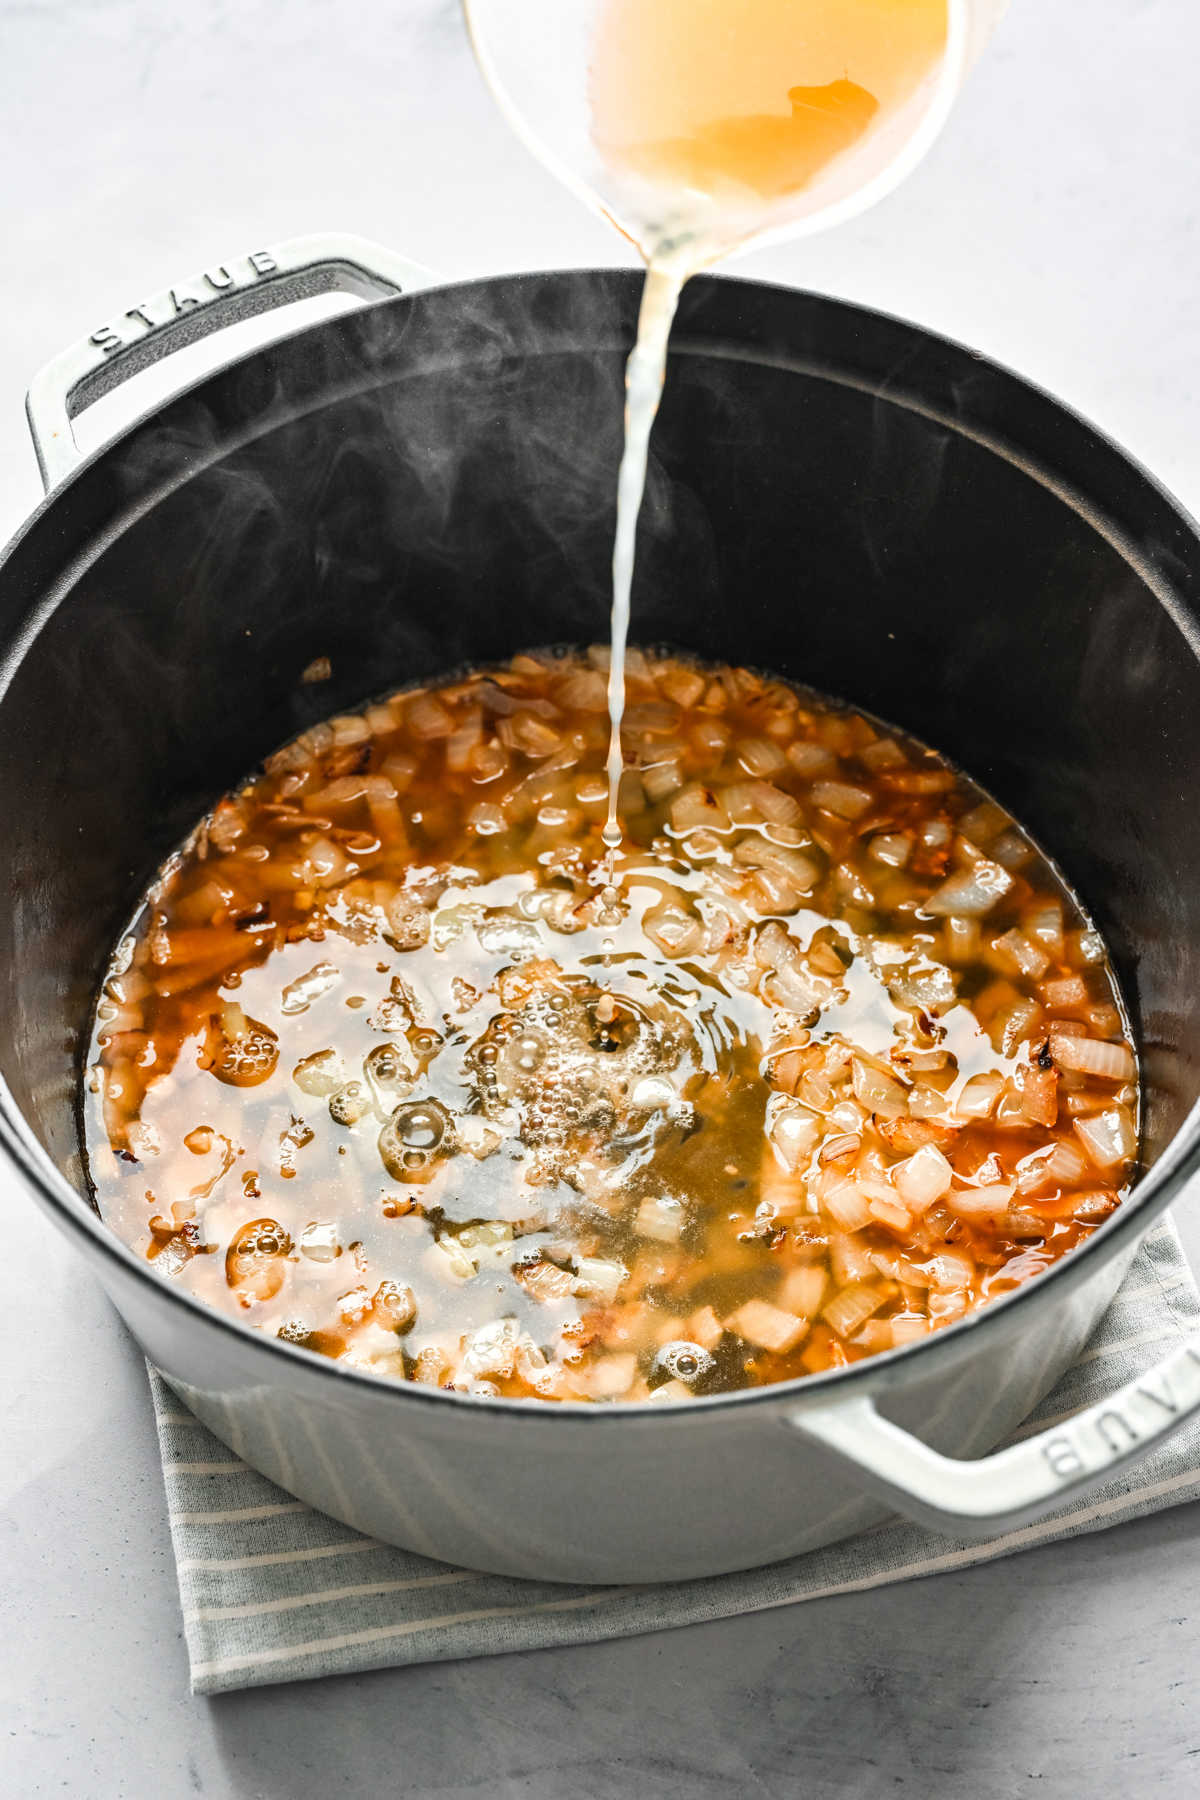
(382, 1070)
(753, 99)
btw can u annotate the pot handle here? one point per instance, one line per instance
(1009, 1488)
(218, 296)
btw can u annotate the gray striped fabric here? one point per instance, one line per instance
(273, 1591)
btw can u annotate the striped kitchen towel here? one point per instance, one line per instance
(273, 1591)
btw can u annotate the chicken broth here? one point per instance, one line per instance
(387, 1066)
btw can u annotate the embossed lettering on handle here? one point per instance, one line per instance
(189, 310)
(1013, 1486)
(217, 283)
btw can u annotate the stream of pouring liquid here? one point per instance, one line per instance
(644, 375)
(691, 96)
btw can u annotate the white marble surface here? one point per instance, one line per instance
(1055, 228)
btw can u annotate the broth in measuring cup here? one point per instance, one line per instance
(387, 1066)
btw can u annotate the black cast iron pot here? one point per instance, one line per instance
(834, 495)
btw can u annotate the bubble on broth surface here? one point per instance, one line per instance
(416, 1137)
(580, 1067)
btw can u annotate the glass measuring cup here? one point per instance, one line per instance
(564, 70)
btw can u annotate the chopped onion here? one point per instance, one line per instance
(583, 690)
(704, 1328)
(1092, 1056)
(979, 1096)
(491, 761)
(1108, 1137)
(661, 780)
(884, 753)
(773, 947)
(545, 1282)
(949, 1270)
(711, 738)
(631, 795)
(524, 731)
(427, 718)
(320, 1074)
(451, 1261)
(842, 798)
(697, 807)
(889, 1211)
(851, 1258)
(769, 891)
(766, 1326)
(1046, 925)
(682, 685)
(989, 1201)
(1039, 1096)
(815, 1090)
(983, 822)
(431, 1365)
(607, 1378)
(811, 759)
(1011, 850)
(924, 983)
(802, 1290)
(463, 742)
(320, 1242)
(1065, 993)
(490, 1349)
(760, 756)
(486, 820)
(669, 1391)
(661, 1218)
(878, 1092)
(783, 1200)
(1013, 1023)
(674, 928)
(599, 1278)
(759, 803)
(1030, 959)
(1095, 1205)
(892, 848)
(793, 1133)
(919, 781)
(850, 888)
(490, 1234)
(972, 893)
(349, 728)
(961, 940)
(1086, 947)
(1066, 1162)
(792, 986)
(760, 853)
(591, 790)
(851, 1307)
(846, 1204)
(840, 1149)
(651, 718)
(299, 995)
(400, 770)
(923, 1178)
(928, 1102)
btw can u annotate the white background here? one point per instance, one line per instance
(1055, 227)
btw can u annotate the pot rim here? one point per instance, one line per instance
(1160, 1184)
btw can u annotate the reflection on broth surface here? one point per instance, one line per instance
(382, 1069)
